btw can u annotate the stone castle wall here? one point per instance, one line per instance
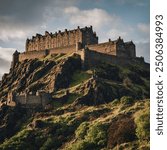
(61, 39)
(91, 58)
(40, 99)
(32, 55)
(107, 47)
(64, 50)
(44, 53)
(116, 48)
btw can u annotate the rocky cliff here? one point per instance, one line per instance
(105, 107)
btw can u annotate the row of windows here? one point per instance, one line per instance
(49, 45)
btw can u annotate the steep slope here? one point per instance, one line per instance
(121, 124)
(105, 107)
(48, 74)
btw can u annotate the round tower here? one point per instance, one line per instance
(15, 59)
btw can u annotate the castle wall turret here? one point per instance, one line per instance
(15, 59)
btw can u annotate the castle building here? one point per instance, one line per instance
(62, 39)
(82, 41)
(40, 98)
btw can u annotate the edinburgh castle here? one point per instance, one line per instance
(82, 41)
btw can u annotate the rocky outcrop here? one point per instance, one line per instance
(33, 75)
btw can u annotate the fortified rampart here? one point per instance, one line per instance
(117, 48)
(91, 58)
(29, 99)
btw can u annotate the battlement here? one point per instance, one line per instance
(40, 98)
(62, 39)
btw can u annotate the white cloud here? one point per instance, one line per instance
(114, 33)
(96, 17)
(6, 53)
(5, 59)
(9, 34)
(145, 28)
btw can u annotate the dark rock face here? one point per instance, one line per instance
(68, 68)
(10, 120)
(33, 75)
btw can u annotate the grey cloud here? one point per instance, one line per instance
(4, 67)
(143, 49)
(4, 64)
(20, 19)
(23, 12)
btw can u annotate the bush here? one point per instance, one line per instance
(82, 130)
(97, 134)
(142, 121)
(121, 130)
(90, 137)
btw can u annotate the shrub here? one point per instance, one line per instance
(97, 134)
(121, 130)
(142, 121)
(90, 137)
(82, 130)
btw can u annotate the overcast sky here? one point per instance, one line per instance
(20, 19)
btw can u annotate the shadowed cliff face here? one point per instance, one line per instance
(46, 74)
(102, 107)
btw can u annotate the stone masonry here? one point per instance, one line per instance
(73, 41)
(40, 98)
(62, 39)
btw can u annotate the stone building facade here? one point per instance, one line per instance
(40, 98)
(61, 39)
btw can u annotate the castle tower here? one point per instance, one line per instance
(26, 46)
(15, 59)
